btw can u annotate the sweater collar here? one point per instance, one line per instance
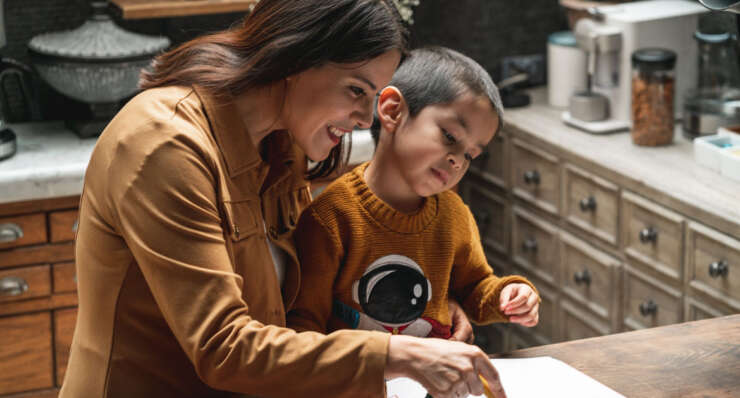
(384, 213)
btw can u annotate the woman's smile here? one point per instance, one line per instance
(336, 133)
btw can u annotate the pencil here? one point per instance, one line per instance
(486, 389)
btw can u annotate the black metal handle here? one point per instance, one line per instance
(588, 204)
(532, 177)
(648, 308)
(648, 235)
(582, 277)
(718, 268)
(529, 245)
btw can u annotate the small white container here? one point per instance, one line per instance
(566, 68)
(707, 149)
(730, 162)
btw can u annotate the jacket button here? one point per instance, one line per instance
(273, 232)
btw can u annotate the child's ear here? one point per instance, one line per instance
(391, 106)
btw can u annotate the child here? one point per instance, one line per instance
(386, 245)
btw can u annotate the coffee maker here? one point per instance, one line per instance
(614, 33)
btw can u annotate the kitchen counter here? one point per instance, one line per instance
(667, 172)
(51, 161)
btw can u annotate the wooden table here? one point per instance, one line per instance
(693, 359)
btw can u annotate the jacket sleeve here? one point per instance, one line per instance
(319, 253)
(473, 282)
(164, 203)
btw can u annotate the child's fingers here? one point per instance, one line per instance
(529, 319)
(506, 293)
(516, 302)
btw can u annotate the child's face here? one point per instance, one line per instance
(433, 150)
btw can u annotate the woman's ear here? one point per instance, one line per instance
(391, 107)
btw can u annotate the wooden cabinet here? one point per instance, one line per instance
(606, 255)
(37, 295)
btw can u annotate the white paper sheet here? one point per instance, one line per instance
(525, 378)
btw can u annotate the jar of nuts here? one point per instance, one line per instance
(653, 82)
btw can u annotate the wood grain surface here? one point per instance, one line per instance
(692, 359)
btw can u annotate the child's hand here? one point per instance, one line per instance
(462, 330)
(520, 303)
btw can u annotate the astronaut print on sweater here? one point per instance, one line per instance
(393, 293)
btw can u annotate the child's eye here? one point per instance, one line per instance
(449, 137)
(357, 91)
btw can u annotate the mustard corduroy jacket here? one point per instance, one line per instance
(178, 295)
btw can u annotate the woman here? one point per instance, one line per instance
(189, 202)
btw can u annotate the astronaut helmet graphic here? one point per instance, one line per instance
(393, 290)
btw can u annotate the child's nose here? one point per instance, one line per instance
(454, 161)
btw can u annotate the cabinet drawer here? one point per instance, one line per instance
(578, 324)
(64, 327)
(696, 310)
(63, 225)
(547, 328)
(25, 354)
(65, 277)
(24, 283)
(491, 165)
(489, 211)
(648, 302)
(590, 277)
(653, 235)
(592, 204)
(535, 177)
(23, 230)
(713, 264)
(535, 246)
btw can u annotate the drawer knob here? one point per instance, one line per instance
(718, 268)
(582, 277)
(588, 204)
(482, 218)
(10, 232)
(75, 225)
(532, 177)
(648, 308)
(529, 245)
(12, 286)
(648, 235)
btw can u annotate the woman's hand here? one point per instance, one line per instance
(462, 330)
(520, 303)
(447, 369)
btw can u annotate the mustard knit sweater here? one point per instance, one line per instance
(365, 265)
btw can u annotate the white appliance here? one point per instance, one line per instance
(668, 24)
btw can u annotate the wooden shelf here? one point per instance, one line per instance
(140, 9)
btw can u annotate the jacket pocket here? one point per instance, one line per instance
(290, 206)
(242, 218)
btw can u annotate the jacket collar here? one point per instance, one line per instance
(233, 140)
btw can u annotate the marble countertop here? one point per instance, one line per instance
(51, 161)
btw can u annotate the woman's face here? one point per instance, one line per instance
(324, 103)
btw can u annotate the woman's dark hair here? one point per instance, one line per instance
(438, 75)
(280, 38)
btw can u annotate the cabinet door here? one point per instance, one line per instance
(535, 176)
(64, 326)
(25, 353)
(713, 264)
(592, 204)
(575, 323)
(535, 245)
(490, 213)
(491, 165)
(653, 235)
(591, 278)
(648, 301)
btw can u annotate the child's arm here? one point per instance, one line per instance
(479, 291)
(319, 255)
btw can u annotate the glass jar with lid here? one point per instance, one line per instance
(653, 85)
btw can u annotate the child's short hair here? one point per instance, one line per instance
(439, 75)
